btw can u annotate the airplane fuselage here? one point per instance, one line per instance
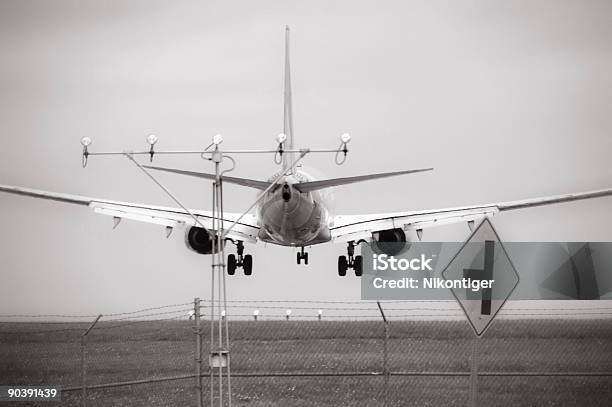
(289, 217)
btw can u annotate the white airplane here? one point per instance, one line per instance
(296, 211)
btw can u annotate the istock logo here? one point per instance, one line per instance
(383, 262)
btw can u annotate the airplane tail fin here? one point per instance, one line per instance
(333, 182)
(288, 113)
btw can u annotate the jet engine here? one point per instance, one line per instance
(389, 241)
(200, 240)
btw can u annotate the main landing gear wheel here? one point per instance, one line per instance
(358, 266)
(247, 265)
(342, 266)
(231, 264)
(302, 255)
(244, 261)
(354, 262)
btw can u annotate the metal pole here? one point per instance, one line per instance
(83, 366)
(211, 389)
(227, 341)
(218, 352)
(198, 353)
(385, 352)
(83, 383)
(220, 272)
(474, 373)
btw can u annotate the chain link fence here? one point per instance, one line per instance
(318, 354)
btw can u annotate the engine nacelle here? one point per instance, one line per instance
(200, 240)
(389, 241)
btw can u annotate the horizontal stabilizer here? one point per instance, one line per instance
(334, 182)
(233, 180)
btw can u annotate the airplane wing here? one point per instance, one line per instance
(355, 227)
(246, 229)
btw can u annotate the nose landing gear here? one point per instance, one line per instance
(354, 262)
(233, 262)
(302, 255)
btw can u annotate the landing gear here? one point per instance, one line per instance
(302, 255)
(244, 261)
(354, 262)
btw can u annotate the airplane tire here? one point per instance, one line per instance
(231, 264)
(305, 258)
(358, 265)
(342, 266)
(299, 258)
(247, 265)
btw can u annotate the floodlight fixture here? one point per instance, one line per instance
(217, 139)
(281, 138)
(345, 138)
(86, 141)
(152, 139)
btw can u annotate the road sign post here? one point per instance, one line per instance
(482, 258)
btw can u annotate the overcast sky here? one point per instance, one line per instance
(506, 99)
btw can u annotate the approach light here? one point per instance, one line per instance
(281, 138)
(344, 139)
(152, 139)
(217, 139)
(85, 142)
(256, 312)
(288, 312)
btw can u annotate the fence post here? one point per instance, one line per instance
(83, 366)
(198, 352)
(385, 353)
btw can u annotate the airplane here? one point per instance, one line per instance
(295, 212)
